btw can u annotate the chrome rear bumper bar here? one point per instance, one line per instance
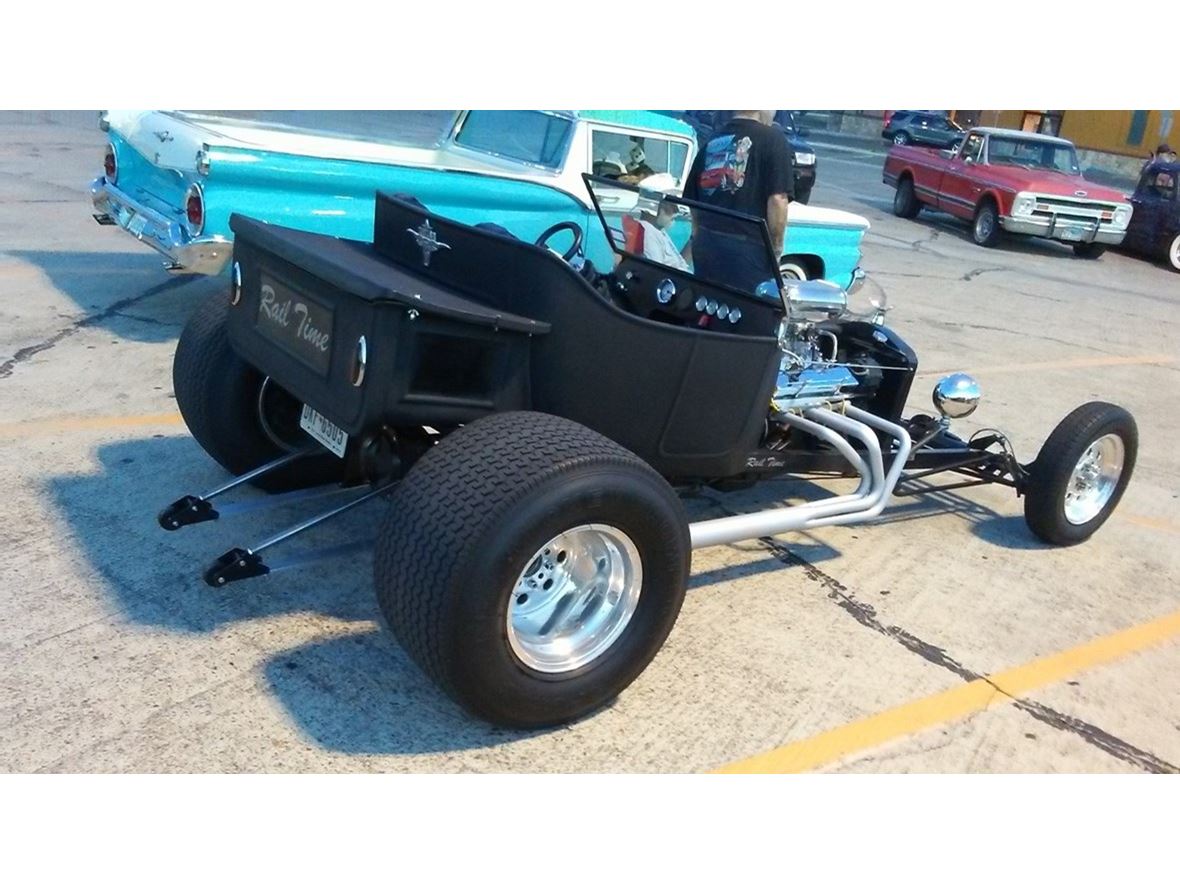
(183, 254)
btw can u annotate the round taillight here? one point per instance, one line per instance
(110, 165)
(194, 209)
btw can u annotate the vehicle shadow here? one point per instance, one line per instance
(354, 692)
(1007, 244)
(154, 577)
(129, 294)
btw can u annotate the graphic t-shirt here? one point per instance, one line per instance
(743, 164)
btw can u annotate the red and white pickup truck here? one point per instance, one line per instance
(1008, 180)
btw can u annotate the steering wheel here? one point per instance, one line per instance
(571, 226)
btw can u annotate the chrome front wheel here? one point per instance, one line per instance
(1081, 472)
(1094, 479)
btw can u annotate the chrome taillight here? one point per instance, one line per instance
(110, 164)
(194, 209)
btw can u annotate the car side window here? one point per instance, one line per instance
(973, 148)
(631, 158)
(1157, 185)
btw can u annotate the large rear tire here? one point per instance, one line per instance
(531, 567)
(1081, 472)
(236, 414)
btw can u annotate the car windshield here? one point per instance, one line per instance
(1032, 153)
(720, 247)
(412, 128)
(537, 137)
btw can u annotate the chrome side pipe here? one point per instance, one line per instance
(864, 504)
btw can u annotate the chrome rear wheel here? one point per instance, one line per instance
(574, 599)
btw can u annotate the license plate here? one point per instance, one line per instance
(136, 224)
(1072, 232)
(323, 431)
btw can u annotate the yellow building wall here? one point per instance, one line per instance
(1110, 131)
(1101, 130)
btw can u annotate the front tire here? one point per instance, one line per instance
(531, 567)
(1081, 472)
(1173, 253)
(905, 201)
(792, 270)
(985, 229)
(234, 412)
(1088, 251)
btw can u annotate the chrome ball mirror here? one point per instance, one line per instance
(957, 395)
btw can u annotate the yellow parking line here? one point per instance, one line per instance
(51, 426)
(1149, 522)
(939, 709)
(1081, 363)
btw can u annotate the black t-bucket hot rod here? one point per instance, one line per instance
(530, 419)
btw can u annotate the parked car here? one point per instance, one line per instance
(1155, 225)
(923, 128)
(1008, 180)
(802, 153)
(172, 179)
(531, 422)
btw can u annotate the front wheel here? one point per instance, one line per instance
(792, 271)
(803, 195)
(531, 567)
(1088, 250)
(985, 229)
(1173, 254)
(901, 138)
(905, 201)
(1081, 473)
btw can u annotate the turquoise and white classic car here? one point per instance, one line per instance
(172, 178)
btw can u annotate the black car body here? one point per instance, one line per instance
(923, 128)
(1155, 223)
(530, 421)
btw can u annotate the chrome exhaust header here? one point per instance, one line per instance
(864, 504)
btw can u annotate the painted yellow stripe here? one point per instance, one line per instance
(1149, 522)
(50, 426)
(955, 703)
(1081, 363)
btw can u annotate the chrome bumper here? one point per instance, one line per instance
(1065, 231)
(184, 254)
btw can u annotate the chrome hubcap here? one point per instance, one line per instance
(983, 225)
(1094, 479)
(1174, 253)
(574, 599)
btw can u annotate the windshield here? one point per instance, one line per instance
(412, 128)
(720, 247)
(1031, 153)
(536, 137)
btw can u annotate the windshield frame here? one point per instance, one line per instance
(695, 205)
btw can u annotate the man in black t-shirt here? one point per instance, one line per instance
(745, 167)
